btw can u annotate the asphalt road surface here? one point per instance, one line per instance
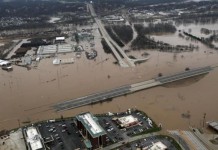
(127, 89)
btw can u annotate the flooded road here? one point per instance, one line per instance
(28, 95)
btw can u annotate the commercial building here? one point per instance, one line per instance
(114, 18)
(127, 121)
(94, 134)
(47, 50)
(158, 146)
(53, 49)
(33, 139)
(65, 48)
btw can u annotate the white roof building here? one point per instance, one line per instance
(158, 146)
(60, 38)
(127, 121)
(53, 49)
(48, 49)
(33, 139)
(65, 48)
(4, 62)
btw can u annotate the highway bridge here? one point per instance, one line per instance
(111, 43)
(128, 89)
(184, 75)
(120, 55)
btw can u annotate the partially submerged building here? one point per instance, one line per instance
(94, 134)
(47, 50)
(5, 65)
(85, 35)
(65, 48)
(213, 125)
(158, 146)
(54, 49)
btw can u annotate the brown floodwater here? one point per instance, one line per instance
(29, 95)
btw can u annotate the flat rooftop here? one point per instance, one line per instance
(49, 49)
(59, 38)
(33, 138)
(3, 62)
(214, 125)
(158, 146)
(91, 124)
(52, 49)
(127, 120)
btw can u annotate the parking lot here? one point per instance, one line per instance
(61, 135)
(148, 142)
(116, 134)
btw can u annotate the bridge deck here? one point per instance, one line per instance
(184, 75)
(109, 94)
(94, 98)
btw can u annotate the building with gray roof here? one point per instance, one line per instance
(91, 130)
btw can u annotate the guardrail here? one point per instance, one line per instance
(128, 89)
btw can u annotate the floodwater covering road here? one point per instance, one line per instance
(27, 95)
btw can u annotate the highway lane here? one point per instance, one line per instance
(113, 45)
(128, 89)
(103, 96)
(183, 75)
(145, 86)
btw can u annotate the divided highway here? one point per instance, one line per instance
(94, 98)
(113, 45)
(184, 75)
(128, 89)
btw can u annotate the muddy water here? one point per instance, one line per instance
(29, 95)
(196, 28)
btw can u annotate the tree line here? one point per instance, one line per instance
(38, 8)
(106, 47)
(206, 41)
(155, 28)
(124, 32)
(114, 36)
(143, 41)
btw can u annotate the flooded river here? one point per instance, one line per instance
(29, 95)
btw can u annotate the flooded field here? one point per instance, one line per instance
(196, 28)
(27, 95)
(174, 39)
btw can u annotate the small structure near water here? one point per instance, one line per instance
(6, 65)
(58, 61)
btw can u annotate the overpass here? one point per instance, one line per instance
(128, 89)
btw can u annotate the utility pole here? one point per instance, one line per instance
(18, 120)
(204, 117)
